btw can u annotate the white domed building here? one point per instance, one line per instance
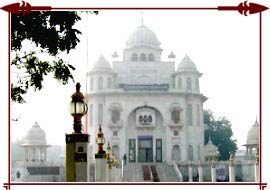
(35, 167)
(253, 141)
(148, 110)
(35, 144)
(210, 151)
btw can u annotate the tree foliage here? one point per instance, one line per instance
(52, 33)
(221, 134)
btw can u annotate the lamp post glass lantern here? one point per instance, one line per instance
(77, 108)
(100, 140)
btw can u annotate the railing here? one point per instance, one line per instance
(154, 173)
(146, 173)
(177, 171)
(122, 171)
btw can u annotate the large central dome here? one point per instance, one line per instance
(143, 37)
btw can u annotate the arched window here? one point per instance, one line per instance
(134, 57)
(100, 114)
(198, 115)
(176, 116)
(80, 149)
(115, 116)
(115, 150)
(109, 82)
(151, 57)
(140, 118)
(189, 83)
(145, 119)
(100, 83)
(176, 153)
(143, 57)
(190, 153)
(189, 114)
(150, 118)
(92, 84)
(179, 83)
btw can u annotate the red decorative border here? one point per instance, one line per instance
(262, 187)
(7, 186)
(25, 8)
(242, 8)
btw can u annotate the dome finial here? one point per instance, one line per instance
(141, 18)
(256, 122)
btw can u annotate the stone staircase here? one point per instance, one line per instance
(166, 173)
(133, 172)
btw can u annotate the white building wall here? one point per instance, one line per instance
(162, 102)
(148, 73)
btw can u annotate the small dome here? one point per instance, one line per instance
(210, 149)
(186, 65)
(36, 135)
(102, 65)
(253, 134)
(143, 37)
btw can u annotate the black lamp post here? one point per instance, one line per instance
(100, 141)
(78, 108)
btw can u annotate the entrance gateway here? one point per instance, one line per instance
(145, 149)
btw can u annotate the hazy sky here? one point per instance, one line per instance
(225, 50)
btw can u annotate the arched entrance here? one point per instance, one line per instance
(176, 153)
(145, 151)
(144, 136)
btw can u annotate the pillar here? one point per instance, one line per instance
(76, 157)
(100, 168)
(109, 174)
(257, 168)
(45, 154)
(34, 154)
(25, 154)
(231, 170)
(213, 171)
(40, 155)
(200, 171)
(190, 175)
(30, 154)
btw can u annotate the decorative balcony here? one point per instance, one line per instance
(116, 125)
(176, 125)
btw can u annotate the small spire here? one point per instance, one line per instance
(172, 55)
(115, 55)
(36, 124)
(256, 122)
(141, 18)
(186, 56)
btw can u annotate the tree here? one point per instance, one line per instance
(221, 134)
(52, 33)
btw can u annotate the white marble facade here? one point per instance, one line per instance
(148, 110)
